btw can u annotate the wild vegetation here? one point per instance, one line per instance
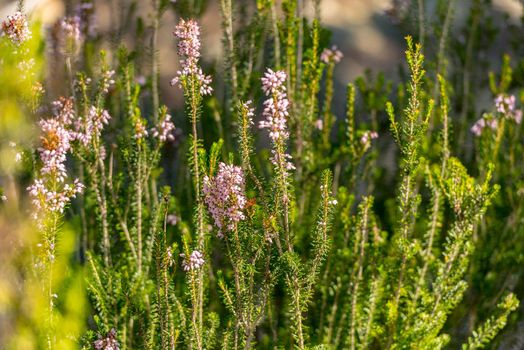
(259, 215)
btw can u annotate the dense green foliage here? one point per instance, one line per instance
(224, 238)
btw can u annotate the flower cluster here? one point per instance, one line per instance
(49, 192)
(487, 120)
(367, 137)
(224, 196)
(164, 130)
(47, 200)
(188, 48)
(140, 129)
(172, 219)
(85, 129)
(333, 55)
(107, 80)
(107, 343)
(276, 107)
(71, 28)
(506, 106)
(284, 157)
(70, 36)
(55, 143)
(249, 110)
(16, 28)
(64, 110)
(276, 113)
(195, 261)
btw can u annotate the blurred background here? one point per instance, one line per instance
(368, 32)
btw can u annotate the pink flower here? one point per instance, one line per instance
(276, 113)
(55, 144)
(492, 123)
(188, 48)
(71, 28)
(506, 106)
(195, 261)
(368, 136)
(164, 130)
(172, 219)
(46, 200)
(479, 125)
(49, 192)
(276, 106)
(518, 116)
(273, 82)
(250, 111)
(63, 110)
(319, 124)
(67, 36)
(16, 28)
(107, 80)
(333, 55)
(90, 126)
(487, 120)
(188, 33)
(140, 130)
(108, 343)
(224, 196)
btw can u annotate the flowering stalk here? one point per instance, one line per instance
(88, 128)
(195, 85)
(225, 199)
(276, 114)
(50, 195)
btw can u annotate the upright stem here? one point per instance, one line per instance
(354, 293)
(327, 122)
(298, 313)
(51, 255)
(410, 138)
(154, 77)
(101, 199)
(197, 317)
(139, 206)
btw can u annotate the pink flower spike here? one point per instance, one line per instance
(188, 48)
(224, 196)
(195, 261)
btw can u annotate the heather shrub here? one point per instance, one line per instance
(259, 213)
